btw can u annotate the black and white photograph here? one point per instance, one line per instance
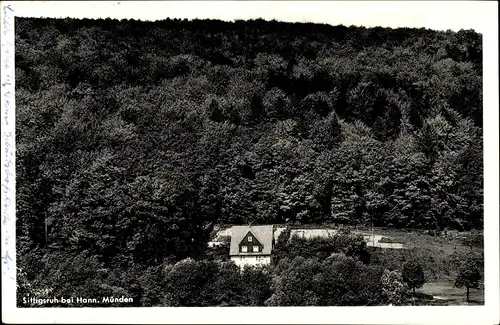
(246, 161)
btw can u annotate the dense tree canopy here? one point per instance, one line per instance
(135, 138)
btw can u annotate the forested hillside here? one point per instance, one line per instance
(135, 138)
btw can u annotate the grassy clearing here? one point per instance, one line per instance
(440, 262)
(440, 257)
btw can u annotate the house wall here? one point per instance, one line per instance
(241, 261)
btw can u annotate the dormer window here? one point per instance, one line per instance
(249, 238)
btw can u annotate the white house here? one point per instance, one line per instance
(251, 245)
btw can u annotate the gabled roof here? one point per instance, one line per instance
(264, 235)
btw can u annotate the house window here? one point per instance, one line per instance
(244, 249)
(255, 249)
(249, 239)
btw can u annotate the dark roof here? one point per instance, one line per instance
(264, 234)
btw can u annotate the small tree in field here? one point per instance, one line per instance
(413, 275)
(468, 276)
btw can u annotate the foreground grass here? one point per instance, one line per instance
(445, 293)
(440, 257)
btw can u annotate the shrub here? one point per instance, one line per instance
(393, 287)
(413, 275)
